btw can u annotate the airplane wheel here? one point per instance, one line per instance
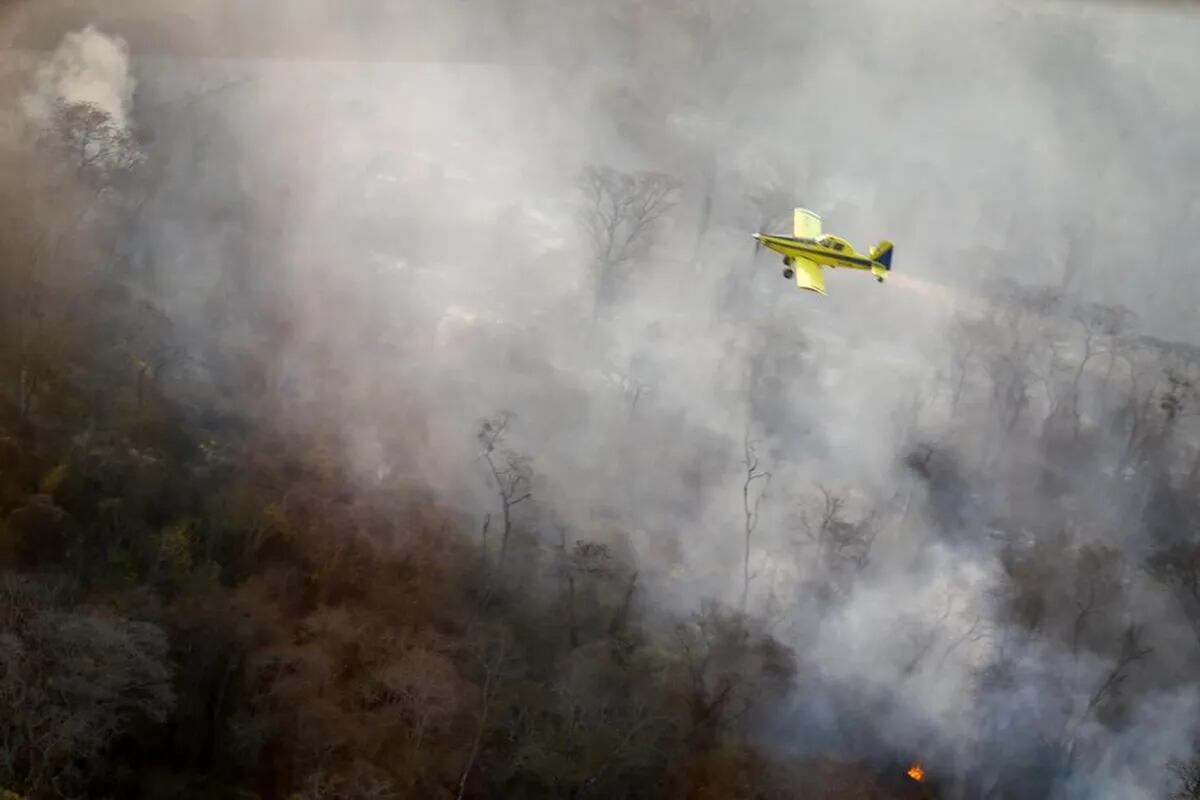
(789, 274)
(879, 279)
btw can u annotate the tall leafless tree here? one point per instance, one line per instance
(510, 474)
(621, 212)
(1102, 328)
(493, 659)
(750, 503)
(585, 559)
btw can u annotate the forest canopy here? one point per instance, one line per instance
(443, 442)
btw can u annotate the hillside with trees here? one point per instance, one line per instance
(608, 513)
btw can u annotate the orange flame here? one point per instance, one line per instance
(916, 773)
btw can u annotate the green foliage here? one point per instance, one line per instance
(121, 568)
(176, 546)
(53, 479)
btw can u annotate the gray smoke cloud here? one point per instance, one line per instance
(439, 183)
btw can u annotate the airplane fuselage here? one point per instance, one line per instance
(825, 255)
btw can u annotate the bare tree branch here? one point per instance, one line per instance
(511, 474)
(750, 508)
(621, 211)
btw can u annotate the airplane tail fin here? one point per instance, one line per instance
(882, 254)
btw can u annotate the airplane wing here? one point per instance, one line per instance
(808, 275)
(805, 224)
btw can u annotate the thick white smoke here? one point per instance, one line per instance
(89, 67)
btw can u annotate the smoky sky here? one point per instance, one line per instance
(401, 182)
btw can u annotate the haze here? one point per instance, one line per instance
(346, 450)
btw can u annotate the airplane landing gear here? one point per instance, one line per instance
(789, 273)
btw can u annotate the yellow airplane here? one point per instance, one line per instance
(807, 250)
